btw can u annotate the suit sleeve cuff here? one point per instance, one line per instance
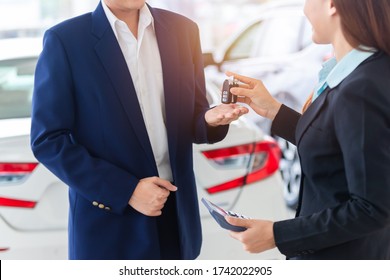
(285, 123)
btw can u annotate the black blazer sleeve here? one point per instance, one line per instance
(285, 123)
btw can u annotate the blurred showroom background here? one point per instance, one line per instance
(217, 19)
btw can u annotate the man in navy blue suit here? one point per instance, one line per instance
(119, 100)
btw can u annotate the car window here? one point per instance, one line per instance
(16, 86)
(281, 36)
(244, 44)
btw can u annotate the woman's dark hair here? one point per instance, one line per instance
(365, 22)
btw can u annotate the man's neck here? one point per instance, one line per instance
(129, 16)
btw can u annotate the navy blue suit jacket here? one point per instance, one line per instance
(343, 141)
(88, 129)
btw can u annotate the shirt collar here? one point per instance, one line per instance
(346, 66)
(145, 17)
(333, 72)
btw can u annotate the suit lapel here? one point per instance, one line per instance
(309, 115)
(110, 54)
(169, 52)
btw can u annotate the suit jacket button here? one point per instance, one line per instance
(101, 206)
(107, 208)
(95, 203)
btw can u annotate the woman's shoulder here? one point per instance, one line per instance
(368, 83)
(379, 61)
(374, 69)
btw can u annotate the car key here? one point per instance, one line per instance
(227, 97)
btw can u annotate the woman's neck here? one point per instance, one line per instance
(341, 46)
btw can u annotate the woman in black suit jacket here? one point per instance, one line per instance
(343, 140)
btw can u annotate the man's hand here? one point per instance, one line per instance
(150, 195)
(258, 237)
(224, 114)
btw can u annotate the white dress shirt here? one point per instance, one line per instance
(143, 60)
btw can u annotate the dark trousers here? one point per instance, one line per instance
(168, 230)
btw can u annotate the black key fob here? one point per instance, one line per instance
(227, 97)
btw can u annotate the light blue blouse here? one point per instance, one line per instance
(333, 72)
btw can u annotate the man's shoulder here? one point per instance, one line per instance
(172, 18)
(72, 24)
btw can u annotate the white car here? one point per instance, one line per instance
(239, 174)
(277, 48)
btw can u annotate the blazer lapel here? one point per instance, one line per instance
(309, 115)
(167, 44)
(110, 54)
